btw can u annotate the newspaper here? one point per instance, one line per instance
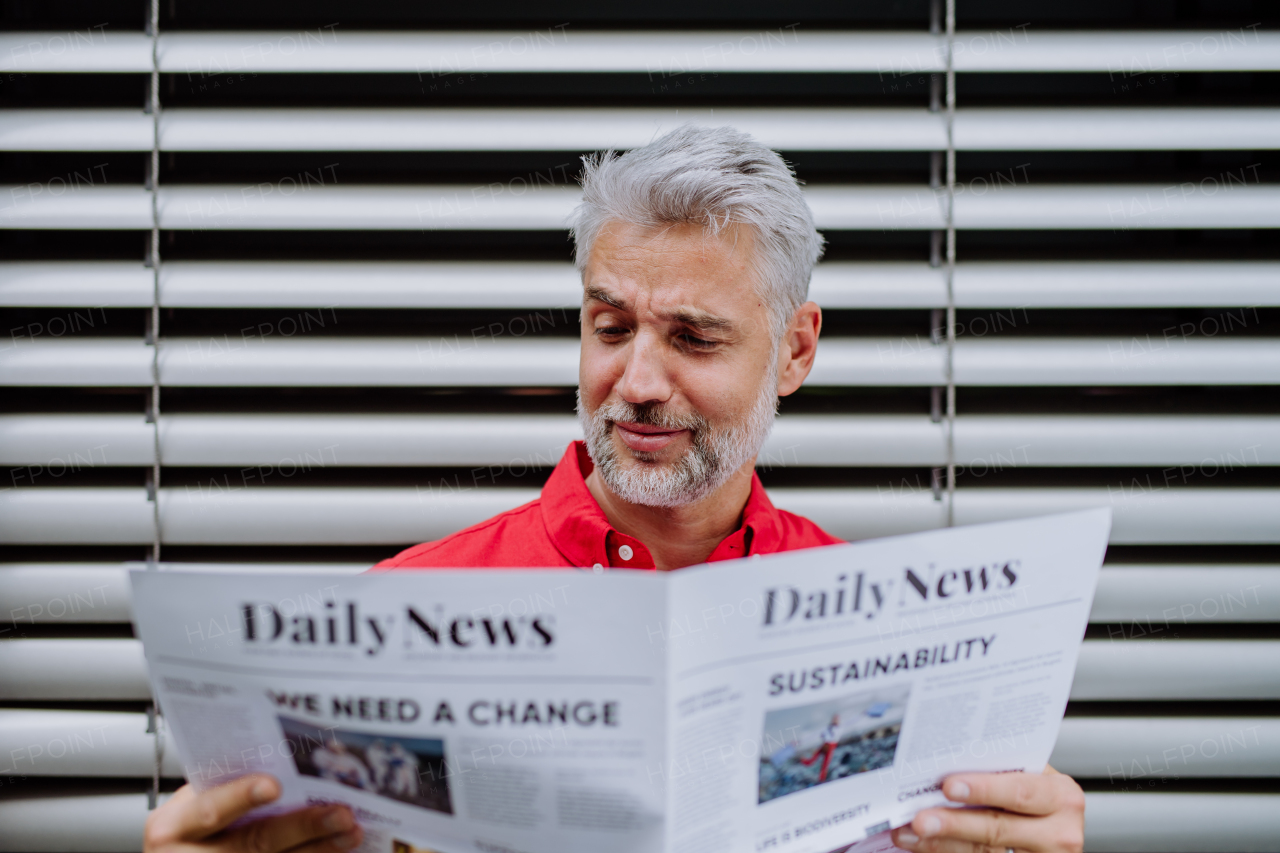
(796, 703)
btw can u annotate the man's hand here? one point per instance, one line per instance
(197, 823)
(1036, 813)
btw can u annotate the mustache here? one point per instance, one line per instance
(651, 414)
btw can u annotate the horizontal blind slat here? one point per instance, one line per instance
(1142, 516)
(75, 670)
(81, 743)
(1132, 669)
(248, 360)
(984, 443)
(74, 823)
(589, 129)
(1161, 596)
(116, 744)
(891, 207)
(227, 510)
(1118, 823)
(1122, 748)
(546, 129)
(786, 49)
(535, 285)
(1181, 823)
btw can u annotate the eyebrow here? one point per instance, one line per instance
(691, 317)
(703, 321)
(601, 295)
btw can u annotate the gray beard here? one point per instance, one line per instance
(715, 454)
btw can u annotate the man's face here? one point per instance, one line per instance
(678, 373)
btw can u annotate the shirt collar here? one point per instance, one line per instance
(581, 531)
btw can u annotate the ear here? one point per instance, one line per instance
(798, 347)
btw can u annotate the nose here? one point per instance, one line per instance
(645, 378)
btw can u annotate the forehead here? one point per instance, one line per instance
(675, 264)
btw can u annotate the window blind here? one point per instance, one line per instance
(290, 288)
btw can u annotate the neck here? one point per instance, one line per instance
(683, 535)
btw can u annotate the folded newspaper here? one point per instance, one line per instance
(796, 703)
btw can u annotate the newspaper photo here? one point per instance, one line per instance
(799, 702)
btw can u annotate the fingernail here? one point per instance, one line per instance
(930, 825)
(264, 791)
(338, 820)
(959, 791)
(346, 840)
(906, 836)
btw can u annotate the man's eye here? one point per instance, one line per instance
(696, 342)
(611, 331)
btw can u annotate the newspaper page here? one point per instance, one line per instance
(799, 702)
(821, 697)
(496, 712)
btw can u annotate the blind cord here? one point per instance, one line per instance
(951, 264)
(153, 406)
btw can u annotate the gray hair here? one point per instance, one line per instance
(713, 177)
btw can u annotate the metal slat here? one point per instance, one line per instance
(1159, 597)
(99, 593)
(74, 823)
(1166, 596)
(301, 444)
(1121, 749)
(1235, 202)
(106, 284)
(1117, 823)
(543, 129)
(54, 445)
(234, 509)
(314, 206)
(84, 361)
(49, 742)
(1210, 444)
(52, 593)
(1182, 823)
(208, 513)
(93, 49)
(75, 130)
(1127, 129)
(1169, 359)
(785, 49)
(587, 129)
(1009, 285)
(1143, 515)
(88, 670)
(1140, 669)
(1117, 284)
(72, 515)
(250, 359)
(465, 360)
(555, 49)
(116, 744)
(73, 670)
(524, 284)
(75, 207)
(1125, 54)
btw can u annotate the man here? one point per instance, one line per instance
(830, 740)
(695, 253)
(336, 762)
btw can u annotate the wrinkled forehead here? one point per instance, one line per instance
(673, 269)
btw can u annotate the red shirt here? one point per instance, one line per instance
(565, 527)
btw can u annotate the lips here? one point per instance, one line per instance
(647, 439)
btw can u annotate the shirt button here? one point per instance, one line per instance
(598, 569)
(625, 552)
